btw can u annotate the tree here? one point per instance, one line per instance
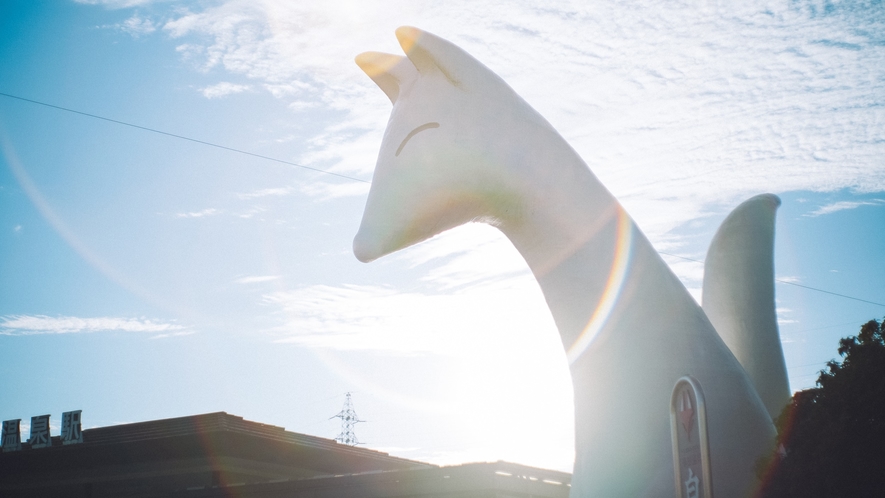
(831, 438)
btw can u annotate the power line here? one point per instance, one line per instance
(788, 282)
(828, 292)
(811, 364)
(282, 161)
(182, 137)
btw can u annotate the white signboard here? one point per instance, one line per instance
(40, 437)
(71, 432)
(11, 437)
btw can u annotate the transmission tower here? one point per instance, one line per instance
(348, 419)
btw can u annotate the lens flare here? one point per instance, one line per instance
(616, 277)
(67, 234)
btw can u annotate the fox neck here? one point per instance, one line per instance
(576, 238)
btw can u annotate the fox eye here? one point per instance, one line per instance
(414, 132)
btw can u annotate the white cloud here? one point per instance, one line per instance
(467, 255)
(324, 191)
(223, 89)
(40, 324)
(116, 4)
(273, 192)
(498, 333)
(280, 90)
(783, 318)
(300, 105)
(138, 26)
(17, 228)
(843, 205)
(198, 214)
(678, 110)
(691, 273)
(681, 109)
(255, 279)
(382, 319)
(354, 318)
(499, 338)
(174, 334)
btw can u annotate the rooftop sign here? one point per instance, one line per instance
(71, 432)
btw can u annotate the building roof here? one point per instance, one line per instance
(217, 455)
(472, 480)
(178, 453)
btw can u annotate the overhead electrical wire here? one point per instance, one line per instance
(239, 151)
(787, 282)
(154, 130)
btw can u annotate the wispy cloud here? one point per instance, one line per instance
(178, 333)
(257, 279)
(251, 213)
(467, 255)
(40, 324)
(116, 4)
(783, 318)
(473, 278)
(326, 191)
(266, 192)
(198, 214)
(691, 109)
(137, 26)
(223, 89)
(667, 88)
(842, 206)
(381, 319)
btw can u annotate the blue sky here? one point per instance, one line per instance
(144, 276)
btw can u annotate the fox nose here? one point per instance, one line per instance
(364, 247)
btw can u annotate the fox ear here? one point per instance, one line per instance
(429, 52)
(387, 71)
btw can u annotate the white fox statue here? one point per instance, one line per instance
(461, 146)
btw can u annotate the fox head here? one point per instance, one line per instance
(444, 156)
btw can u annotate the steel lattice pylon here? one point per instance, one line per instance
(348, 419)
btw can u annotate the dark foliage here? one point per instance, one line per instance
(831, 438)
